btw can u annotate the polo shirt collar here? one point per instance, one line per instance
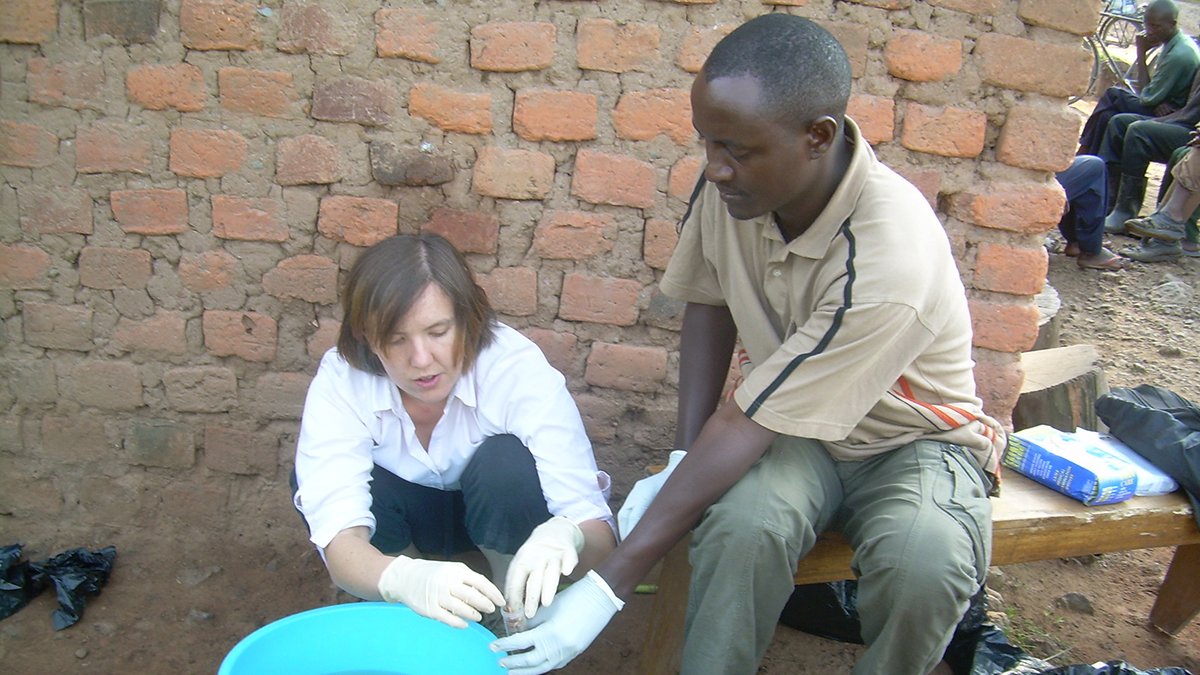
(815, 241)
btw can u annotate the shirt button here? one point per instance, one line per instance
(777, 273)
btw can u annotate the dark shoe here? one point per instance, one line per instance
(1158, 226)
(1130, 192)
(1191, 249)
(1153, 250)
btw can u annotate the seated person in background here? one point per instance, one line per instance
(1171, 230)
(1160, 93)
(1131, 142)
(1082, 222)
(432, 429)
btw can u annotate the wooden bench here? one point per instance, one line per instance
(1029, 522)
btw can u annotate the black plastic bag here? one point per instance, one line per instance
(76, 574)
(1161, 426)
(1113, 668)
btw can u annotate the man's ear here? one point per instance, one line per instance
(822, 132)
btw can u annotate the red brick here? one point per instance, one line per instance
(1043, 139)
(855, 39)
(559, 349)
(513, 174)
(1010, 269)
(451, 110)
(239, 452)
(1028, 208)
(353, 99)
(113, 268)
(601, 417)
(512, 46)
(574, 235)
(279, 396)
(681, 182)
(151, 211)
(1070, 16)
(358, 221)
(26, 145)
(658, 242)
(469, 231)
(28, 21)
(626, 367)
(206, 153)
(54, 210)
(552, 115)
(201, 388)
(308, 159)
(998, 379)
(621, 180)
(57, 326)
(160, 335)
(587, 297)
(75, 438)
(928, 181)
(218, 24)
(127, 21)
(1020, 64)
(511, 290)
(270, 93)
(323, 338)
(248, 218)
(109, 385)
(604, 44)
(72, 85)
(395, 164)
(922, 57)
(698, 43)
(875, 116)
(109, 147)
(642, 115)
(23, 267)
(1006, 325)
(160, 87)
(313, 29)
(248, 335)
(162, 443)
(208, 271)
(978, 7)
(407, 34)
(311, 278)
(950, 132)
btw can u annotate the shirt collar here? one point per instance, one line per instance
(815, 241)
(384, 395)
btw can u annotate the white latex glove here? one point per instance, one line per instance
(550, 552)
(563, 630)
(644, 491)
(447, 591)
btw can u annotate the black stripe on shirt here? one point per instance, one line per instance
(847, 295)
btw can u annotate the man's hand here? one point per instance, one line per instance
(447, 591)
(644, 491)
(1193, 138)
(563, 630)
(551, 551)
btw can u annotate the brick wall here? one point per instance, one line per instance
(186, 182)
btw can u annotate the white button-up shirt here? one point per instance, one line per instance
(354, 420)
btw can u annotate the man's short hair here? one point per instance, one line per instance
(1165, 8)
(387, 279)
(803, 70)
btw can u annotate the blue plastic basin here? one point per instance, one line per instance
(362, 637)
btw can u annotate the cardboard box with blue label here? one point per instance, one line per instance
(1071, 465)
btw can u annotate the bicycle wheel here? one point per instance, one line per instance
(1118, 31)
(1090, 91)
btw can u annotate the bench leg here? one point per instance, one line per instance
(1179, 596)
(663, 645)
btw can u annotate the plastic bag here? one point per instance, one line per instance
(75, 574)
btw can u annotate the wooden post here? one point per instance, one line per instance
(1060, 389)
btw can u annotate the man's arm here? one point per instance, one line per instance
(1190, 112)
(721, 448)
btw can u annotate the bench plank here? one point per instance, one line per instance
(1029, 522)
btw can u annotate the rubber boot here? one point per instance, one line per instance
(1130, 192)
(1153, 250)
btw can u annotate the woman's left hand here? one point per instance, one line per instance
(551, 551)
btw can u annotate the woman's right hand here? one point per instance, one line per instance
(449, 592)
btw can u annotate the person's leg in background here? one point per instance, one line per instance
(919, 520)
(1145, 141)
(1082, 224)
(1113, 102)
(1173, 223)
(1111, 148)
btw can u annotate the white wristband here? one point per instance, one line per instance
(603, 585)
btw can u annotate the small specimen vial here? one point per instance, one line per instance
(514, 620)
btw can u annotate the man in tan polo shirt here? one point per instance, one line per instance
(859, 409)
